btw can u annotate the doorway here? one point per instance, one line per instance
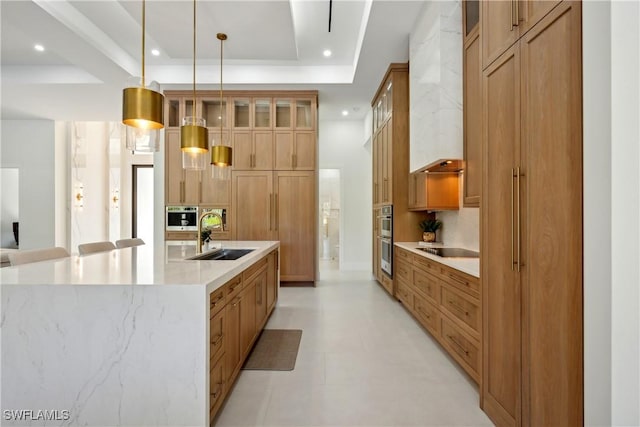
(329, 221)
(142, 203)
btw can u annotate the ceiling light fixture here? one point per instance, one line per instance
(194, 138)
(39, 47)
(143, 109)
(326, 53)
(221, 154)
(155, 52)
(345, 113)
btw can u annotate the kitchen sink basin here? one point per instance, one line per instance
(223, 255)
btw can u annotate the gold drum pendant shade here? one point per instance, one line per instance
(221, 154)
(142, 109)
(194, 137)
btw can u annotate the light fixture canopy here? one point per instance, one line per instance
(221, 154)
(194, 138)
(142, 108)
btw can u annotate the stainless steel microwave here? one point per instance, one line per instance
(181, 218)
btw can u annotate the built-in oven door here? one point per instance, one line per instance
(386, 251)
(386, 221)
(182, 218)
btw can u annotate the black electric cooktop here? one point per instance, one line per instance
(451, 252)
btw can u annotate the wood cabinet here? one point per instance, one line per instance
(295, 150)
(181, 187)
(504, 22)
(472, 110)
(390, 157)
(232, 345)
(532, 274)
(434, 191)
(446, 302)
(273, 280)
(279, 206)
(252, 150)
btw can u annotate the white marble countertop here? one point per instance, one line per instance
(466, 265)
(141, 265)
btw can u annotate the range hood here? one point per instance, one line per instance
(443, 166)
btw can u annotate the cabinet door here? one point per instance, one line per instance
(501, 289)
(215, 191)
(253, 205)
(262, 150)
(174, 181)
(260, 285)
(304, 115)
(470, 18)
(304, 157)
(387, 162)
(272, 280)
(472, 115)
(192, 187)
(418, 191)
(247, 317)
(499, 28)
(241, 115)
(232, 338)
(380, 166)
(262, 113)
(242, 150)
(295, 224)
(551, 232)
(532, 11)
(283, 113)
(283, 150)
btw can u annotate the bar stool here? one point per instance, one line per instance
(35, 255)
(91, 248)
(127, 243)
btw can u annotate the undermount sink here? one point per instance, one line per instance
(223, 255)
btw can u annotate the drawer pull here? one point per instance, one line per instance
(217, 340)
(455, 279)
(214, 303)
(460, 346)
(237, 300)
(458, 307)
(216, 393)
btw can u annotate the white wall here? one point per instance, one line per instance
(9, 196)
(596, 55)
(625, 217)
(341, 147)
(29, 145)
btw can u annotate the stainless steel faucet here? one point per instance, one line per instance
(203, 216)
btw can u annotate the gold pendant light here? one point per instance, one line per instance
(194, 138)
(143, 108)
(221, 154)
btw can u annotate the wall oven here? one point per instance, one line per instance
(181, 218)
(386, 239)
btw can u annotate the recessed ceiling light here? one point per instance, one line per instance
(326, 53)
(155, 52)
(39, 47)
(345, 113)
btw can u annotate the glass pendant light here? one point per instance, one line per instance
(142, 108)
(221, 153)
(194, 138)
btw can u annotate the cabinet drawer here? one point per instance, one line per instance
(254, 269)
(234, 286)
(403, 270)
(216, 332)
(216, 385)
(427, 314)
(462, 349)
(427, 285)
(404, 294)
(180, 235)
(426, 264)
(387, 283)
(401, 254)
(217, 301)
(462, 281)
(461, 308)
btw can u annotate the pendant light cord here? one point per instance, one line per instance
(221, 47)
(143, 40)
(193, 112)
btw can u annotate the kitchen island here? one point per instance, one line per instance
(131, 336)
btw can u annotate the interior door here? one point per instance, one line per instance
(501, 397)
(295, 224)
(253, 205)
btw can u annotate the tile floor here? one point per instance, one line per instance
(363, 361)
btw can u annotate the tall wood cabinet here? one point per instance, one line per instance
(390, 155)
(532, 274)
(271, 193)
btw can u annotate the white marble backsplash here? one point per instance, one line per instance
(435, 49)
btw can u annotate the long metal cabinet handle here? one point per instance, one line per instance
(517, 20)
(513, 259)
(511, 2)
(270, 212)
(519, 217)
(277, 218)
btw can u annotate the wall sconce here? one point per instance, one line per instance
(115, 199)
(78, 196)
